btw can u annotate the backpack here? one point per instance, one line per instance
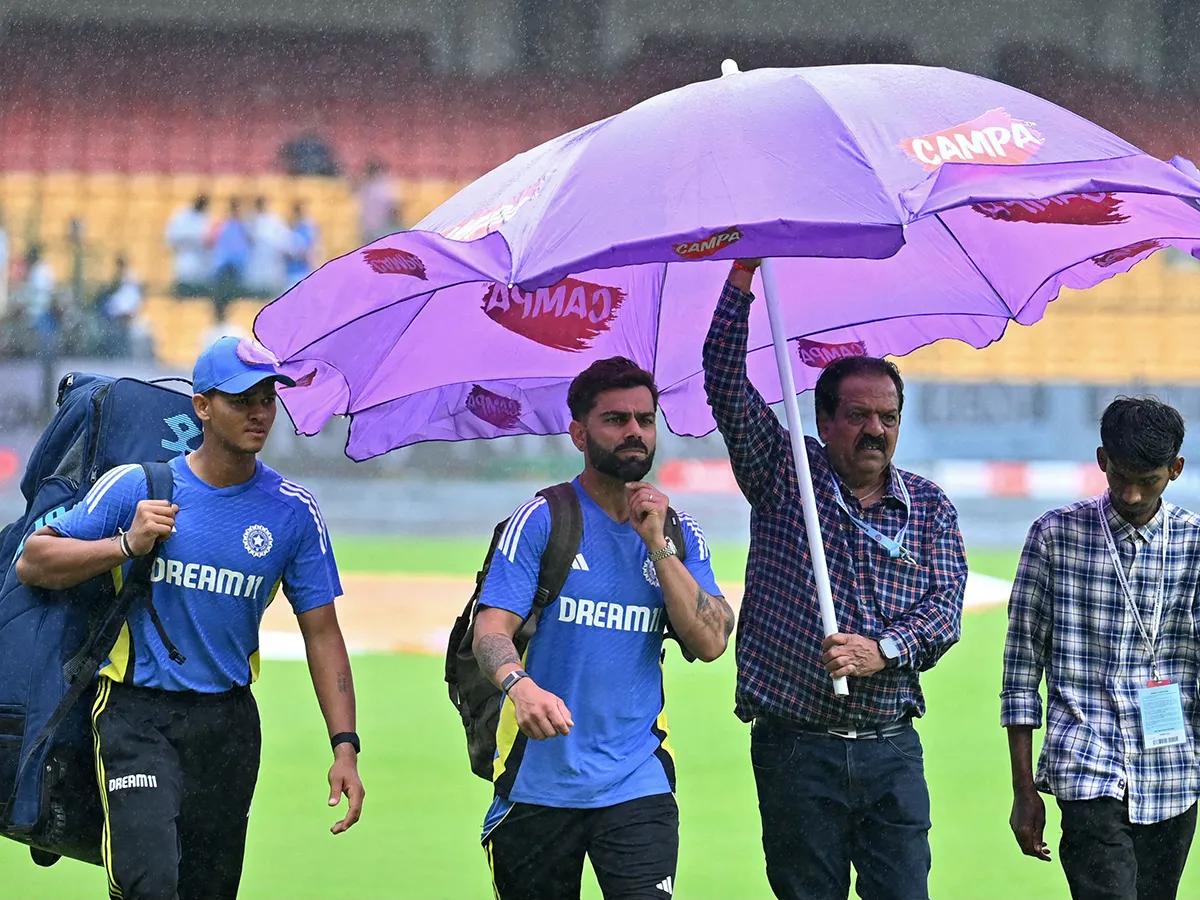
(53, 642)
(472, 691)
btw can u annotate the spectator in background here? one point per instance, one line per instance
(270, 240)
(230, 254)
(379, 205)
(119, 303)
(394, 221)
(301, 256)
(5, 257)
(35, 304)
(36, 292)
(187, 236)
(77, 243)
(309, 153)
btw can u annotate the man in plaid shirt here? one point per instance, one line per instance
(1105, 605)
(840, 781)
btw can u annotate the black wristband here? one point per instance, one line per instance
(345, 737)
(511, 679)
(125, 548)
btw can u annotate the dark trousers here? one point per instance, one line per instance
(176, 772)
(828, 802)
(1105, 857)
(227, 287)
(536, 852)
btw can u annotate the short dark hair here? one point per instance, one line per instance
(1141, 433)
(829, 385)
(605, 375)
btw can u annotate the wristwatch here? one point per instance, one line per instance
(512, 678)
(890, 651)
(669, 550)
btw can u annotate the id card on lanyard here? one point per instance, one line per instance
(1160, 703)
(894, 547)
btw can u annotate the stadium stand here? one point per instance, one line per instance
(132, 121)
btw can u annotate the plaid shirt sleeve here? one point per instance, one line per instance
(934, 624)
(757, 442)
(1027, 646)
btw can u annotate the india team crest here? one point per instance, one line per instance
(257, 540)
(649, 572)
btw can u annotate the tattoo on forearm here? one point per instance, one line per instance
(714, 613)
(494, 651)
(343, 682)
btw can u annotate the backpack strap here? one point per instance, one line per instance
(81, 668)
(673, 529)
(566, 532)
(160, 484)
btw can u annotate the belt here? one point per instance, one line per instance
(879, 732)
(846, 732)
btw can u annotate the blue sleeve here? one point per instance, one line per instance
(699, 558)
(512, 577)
(311, 579)
(108, 506)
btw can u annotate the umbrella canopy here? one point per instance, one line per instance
(904, 205)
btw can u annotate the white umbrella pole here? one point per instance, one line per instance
(800, 453)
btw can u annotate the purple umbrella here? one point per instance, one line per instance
(903, 205)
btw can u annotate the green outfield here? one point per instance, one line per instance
(418, 839)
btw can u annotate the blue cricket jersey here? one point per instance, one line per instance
(231, 551)
(599, 647)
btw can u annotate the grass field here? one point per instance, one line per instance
(418, 839)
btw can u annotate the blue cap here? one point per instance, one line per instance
(234, 365)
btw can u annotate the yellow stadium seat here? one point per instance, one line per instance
(24, 183)
(1083, 336)
(66, 185)
(105, 185)
(243, 312)
(226, 186)
(182, 189)
(420, 198)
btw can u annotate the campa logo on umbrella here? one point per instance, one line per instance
(566, 316)
(708, 246)
(489, 220)
(818, 355)
(391, 261)
(503, 412)
(1129, 251)
(995, 137)
(1063, 209)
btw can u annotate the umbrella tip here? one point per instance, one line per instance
(729, 67)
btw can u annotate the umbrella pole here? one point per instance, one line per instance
(812, 524)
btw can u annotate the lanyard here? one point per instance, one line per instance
(1151, 636)
(894, 547)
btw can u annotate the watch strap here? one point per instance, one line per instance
(664, 552)
(889, 650)
(512, 678)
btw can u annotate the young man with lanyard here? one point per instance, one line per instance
(1104, 606)
(177, 730)
(583, 763)
(841, 781)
